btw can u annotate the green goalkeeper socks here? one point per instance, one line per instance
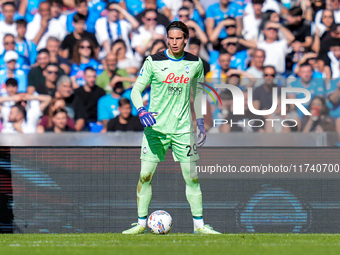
(144, 190)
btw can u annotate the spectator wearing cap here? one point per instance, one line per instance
(36, 75)
(110, 28)
(125, 121)
(216, 14)
(11, 71)
(194, 48)
(78, 33)
(26, 49)
(161, 18)
(43, 27)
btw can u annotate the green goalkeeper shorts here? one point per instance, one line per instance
(155, 145)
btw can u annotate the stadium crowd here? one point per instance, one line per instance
(70, 65)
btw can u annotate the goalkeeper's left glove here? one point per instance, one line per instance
(201, 132)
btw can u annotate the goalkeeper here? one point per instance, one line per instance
(171, 74)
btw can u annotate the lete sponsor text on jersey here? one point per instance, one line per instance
(172, 78)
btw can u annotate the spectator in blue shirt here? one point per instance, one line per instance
(83, 56)
(219, 12)
(92, 10)
(314, 86)
(10, 71)
(9, 45)
(29, 8)
(135, 7)
(108, 104)
(26, 49)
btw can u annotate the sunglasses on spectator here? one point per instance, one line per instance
(233, 26)
(53, 72)
(85, 47)
(272, 28)
(183, 16)
(155, 19)
(269, 74)
(8, 43)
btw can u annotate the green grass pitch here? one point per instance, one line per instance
(96, 244)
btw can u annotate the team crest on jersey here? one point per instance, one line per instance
(187, 69)
(145, 150)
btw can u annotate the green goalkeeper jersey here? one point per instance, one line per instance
(171, 81)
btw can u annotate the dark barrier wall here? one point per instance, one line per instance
(62, 190)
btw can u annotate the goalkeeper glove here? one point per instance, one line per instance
(146, 118)
(201, 132)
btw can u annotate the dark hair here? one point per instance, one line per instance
(269, 66)
(178, 25)
(78, 2)
(119, 41)
(306, 64)
(21, 22)
(89, 68)
(332, 15)
(79, 17)
(149, 10)
(124, 101)
(183, 8)
(8, 4)
(44, 50)
(257, 1)
(223, 51)
(157, 42)
(265, 17)
(111, 3)
(76, 56)
(296, 11)
(58, 2)
(334, 42)
(21, 109)
(325, 111)
(12, 81)
(6, 35)
(195, 41)
(52, 64)
(58, 110)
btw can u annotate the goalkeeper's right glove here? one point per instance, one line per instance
(146, 117)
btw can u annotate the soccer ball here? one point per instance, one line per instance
(160, 222)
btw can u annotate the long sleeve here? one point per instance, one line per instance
(198, 91)
(144, 78)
